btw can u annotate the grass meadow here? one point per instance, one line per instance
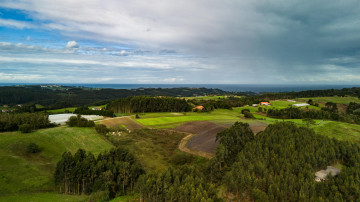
(24, 173)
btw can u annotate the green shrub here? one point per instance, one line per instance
(181, 158)
(25, 128)
(244, 111)
(32, 148)
(249, 115)
(101, 129)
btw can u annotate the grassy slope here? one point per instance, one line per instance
(21, 173)
(339, 130)
(39, 197)
(335, 99)
(153, 148)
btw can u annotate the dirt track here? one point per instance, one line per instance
(205, 135)
(127, 121)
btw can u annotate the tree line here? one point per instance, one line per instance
(86, 111)
(115, 172)
(324, 113)
(24, 121)
(142, 104)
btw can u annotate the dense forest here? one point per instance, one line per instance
(61, 97)
(149, 104)
(114, 172)
(279, 164)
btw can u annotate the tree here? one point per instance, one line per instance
(308, 122)
(32, 148)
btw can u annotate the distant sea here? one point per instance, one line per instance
(257, 88)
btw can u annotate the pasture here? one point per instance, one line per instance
(334, 99)
(23, 173)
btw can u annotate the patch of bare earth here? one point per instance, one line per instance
(127, 121)
(258, 126)
(204, 135)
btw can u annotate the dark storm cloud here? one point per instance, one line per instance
(230, 41)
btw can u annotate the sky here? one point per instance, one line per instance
(180, 42)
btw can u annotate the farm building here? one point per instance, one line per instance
(96, 108)
(199, 107)
(321, 175)
(265, 103)
(301, 105)
(254, 105)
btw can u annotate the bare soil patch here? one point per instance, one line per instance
(258, 126)
(127, 121)
(204, 135)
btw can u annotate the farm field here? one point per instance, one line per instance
(23, 173)
(205, 135)
(169, 120)
(334, 99)
(122, 122)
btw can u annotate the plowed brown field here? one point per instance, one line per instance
(205, 135)
(127, 121)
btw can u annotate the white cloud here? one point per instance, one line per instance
(15, 24)
(72, 45)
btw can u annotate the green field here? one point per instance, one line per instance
(339, 130)
(334, 99)
(40, 197)
(25, 173)
(164, 120)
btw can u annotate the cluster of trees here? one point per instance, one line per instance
(279, 164)
(24, 121)
(353, 108)
(329, 112)
(149, 104)
(78, 121)
(86, 111)
(115, 171)
(183, 184)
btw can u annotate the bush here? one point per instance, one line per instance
(101, 129)
(181, 158)
(244, 111)
(32, 148)
(25, 128)
(249, 115)
(99, 196)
